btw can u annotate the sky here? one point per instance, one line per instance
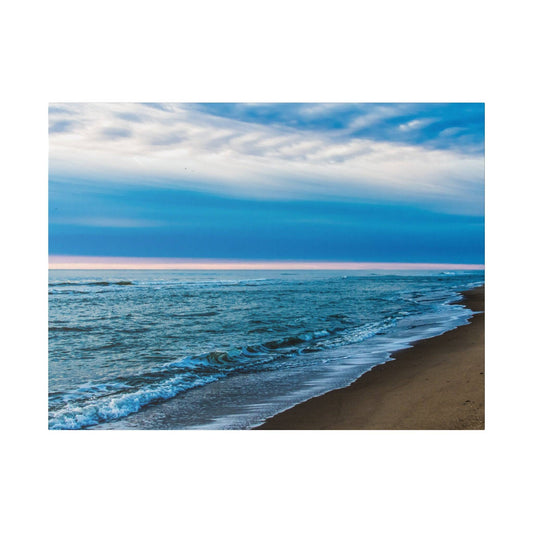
(327, 182)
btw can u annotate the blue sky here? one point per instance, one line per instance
(314, 182)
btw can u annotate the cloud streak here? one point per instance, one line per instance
(163, 263)
(281, 151)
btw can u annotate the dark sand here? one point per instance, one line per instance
(439, 383)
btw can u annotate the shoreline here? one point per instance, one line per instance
(438, 383)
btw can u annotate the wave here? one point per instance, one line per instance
(112, 405)
(88, 283)
(210, 284)
(283, 343)
(194, 315)
(86, 286)
(108, 346)
(70, 329)
(96, 403)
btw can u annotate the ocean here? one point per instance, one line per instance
(141, 349)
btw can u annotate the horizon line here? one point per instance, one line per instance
(63, 262)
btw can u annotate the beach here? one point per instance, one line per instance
(231, 349)
(438, 383)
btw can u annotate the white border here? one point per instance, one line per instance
(243, 51)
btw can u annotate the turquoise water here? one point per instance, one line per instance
(226, 349)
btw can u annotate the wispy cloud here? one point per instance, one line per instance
(105, 222)
(415, 124)
(61, 126)
(113, 133)
(292, 151)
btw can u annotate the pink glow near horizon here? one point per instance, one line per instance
(137, 263)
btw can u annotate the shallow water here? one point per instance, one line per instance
(226, 349)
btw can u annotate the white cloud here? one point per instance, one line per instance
(106, 222)
(414, 124)
(178, 144)
(375, 115)
(448, 132)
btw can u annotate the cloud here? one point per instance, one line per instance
(414, 124)
(376, 115)
(114, 133)
(58, 110)
(105, 222)
(130, 117)
(276, 150)
(61, 126)
(448, 132)
(378, 122)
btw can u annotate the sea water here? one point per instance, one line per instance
(227, 349)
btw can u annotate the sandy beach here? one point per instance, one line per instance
(438, 383)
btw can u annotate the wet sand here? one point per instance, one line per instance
(439, 383)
